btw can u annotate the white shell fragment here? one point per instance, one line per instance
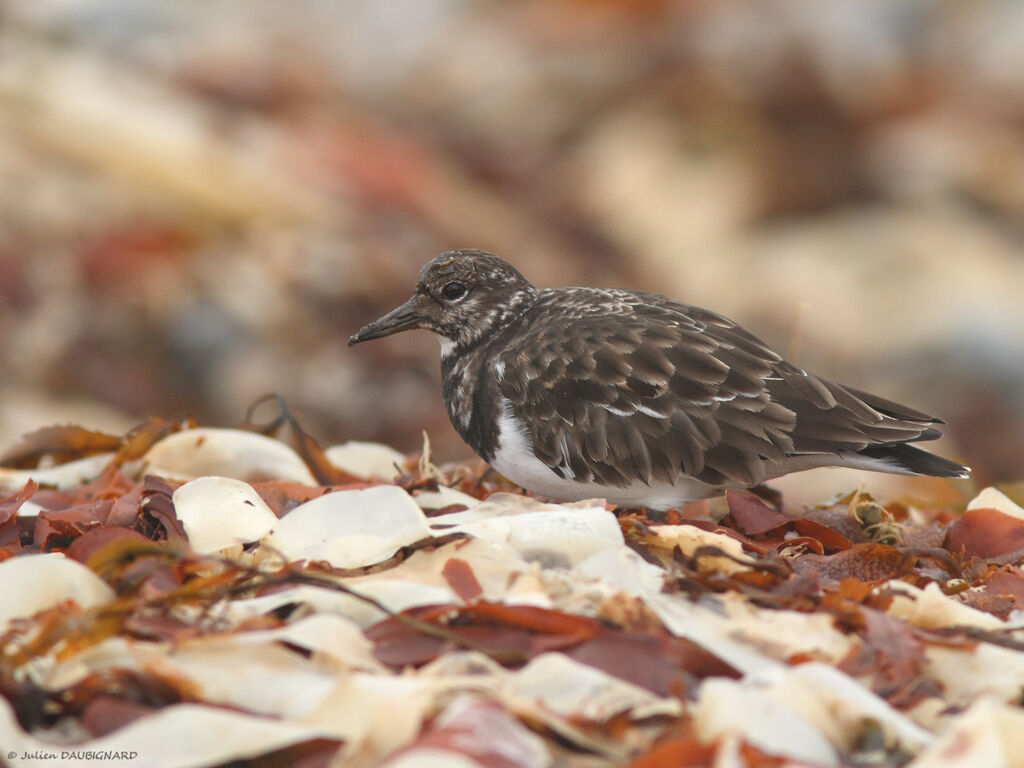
(366, 460)
(985, 671)
(690, 538)
(177, 736)
(62, 477)
(350, 529)
(989, 733)
(376, 713)
(993, 498)
(219, 512)
(807, 713)
(623, 569)
(569, 688)
(393, 594)
(233, 453)
(444, 497)
(225, 671)
(929, 608)
(553, 535)
(838, 705)
(727, 708)
(33, 583)
(331, 636)
(480, 732)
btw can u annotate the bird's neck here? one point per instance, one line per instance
(471, 397)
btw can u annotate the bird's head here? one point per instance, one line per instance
(462, 296)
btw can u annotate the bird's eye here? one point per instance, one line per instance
(453, 291)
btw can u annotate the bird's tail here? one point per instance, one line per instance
(911, 460)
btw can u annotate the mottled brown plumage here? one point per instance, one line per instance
(577, 392)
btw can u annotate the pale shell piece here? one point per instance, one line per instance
(968, 674)
(838, 705)
(377, 714)
(444, 497)
(552, 535)
(803, 712)
(394, 594)
(503, 575)
(113, 653)
(225, 669)
(176, 736)
(430, 757)
(728, 708)
(990, 733)
(690, 538)
(709, 629)
(571, 689)
(329, 635)
(481, 728)
(219, 512)
(225, 452)
(993, 498)
(317, 599)
(785, 633)
(262, 677)
(33, 583)
(623, 569)
(480, 673)
(750, 638)
(366, 460)
(506, 504)
(62, 477)
(30, 509)
(929, 608)
(350, 529)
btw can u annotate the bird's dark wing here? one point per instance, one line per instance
(620, 387)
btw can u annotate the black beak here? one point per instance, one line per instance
(402, 318)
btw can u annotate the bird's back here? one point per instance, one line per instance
(625, 388)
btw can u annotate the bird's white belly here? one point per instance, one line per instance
(514, 458)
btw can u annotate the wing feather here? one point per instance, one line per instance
(628, 387)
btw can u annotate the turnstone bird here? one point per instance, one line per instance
(642, 400)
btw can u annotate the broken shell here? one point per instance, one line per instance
(232, 453)
(33, 583)
(219, 512)
(366, 460)
(350, 529)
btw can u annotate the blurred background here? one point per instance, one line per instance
(199, 201)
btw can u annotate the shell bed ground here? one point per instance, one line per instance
(185, 596)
